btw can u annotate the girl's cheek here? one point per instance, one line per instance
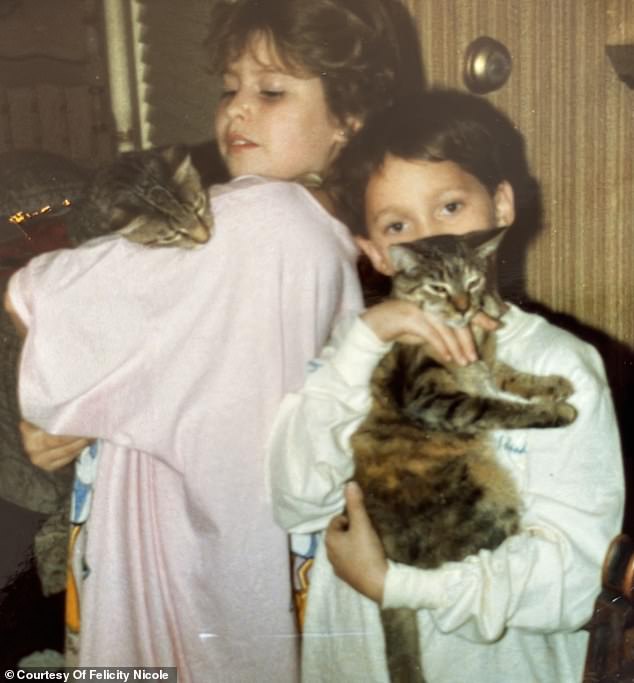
(218, 120)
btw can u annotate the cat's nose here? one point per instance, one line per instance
(200, 232)
(461, 302)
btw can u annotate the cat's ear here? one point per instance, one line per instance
(403, 258)
(173, 154)
(378, 259)
(185, 171)
(119, 217)
(486, 242)
(179, 159)
(134, 229)
(504, 204)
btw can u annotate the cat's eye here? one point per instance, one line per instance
(474, 283)
(437, 289)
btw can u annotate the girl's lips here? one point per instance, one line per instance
(236, 143)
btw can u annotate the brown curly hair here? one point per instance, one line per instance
(365, 51)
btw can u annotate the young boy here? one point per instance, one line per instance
(441, 166)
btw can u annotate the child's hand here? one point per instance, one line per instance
(47, 451)
(403, 321)
(354, 548)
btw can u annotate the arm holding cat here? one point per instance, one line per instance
(48, 451)
(543, 579)
(109, 312)
(354, 548)
(327, 411)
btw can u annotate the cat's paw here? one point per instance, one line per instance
(565, 414)
(553, 388)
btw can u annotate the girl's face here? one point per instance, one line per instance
(409, 200)
(272, 123)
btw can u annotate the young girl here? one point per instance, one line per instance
(433, 167)
(177, 360)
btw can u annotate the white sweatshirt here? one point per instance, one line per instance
(513, 614)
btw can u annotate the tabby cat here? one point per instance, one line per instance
(154, 197)
(423, 456)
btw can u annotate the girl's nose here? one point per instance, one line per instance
(238, 106)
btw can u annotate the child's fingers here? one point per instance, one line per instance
(338, 524)
(460, 343)
(485, 322)
(49, 451)
(452, 344)
(355, 552)
(464, 339)
(355, 508)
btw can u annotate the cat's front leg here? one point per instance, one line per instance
(546, 387)
(467, 414)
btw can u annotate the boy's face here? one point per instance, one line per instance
(272, 123)
(409, 200)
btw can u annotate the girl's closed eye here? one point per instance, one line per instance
(229, 87)
(271, 94)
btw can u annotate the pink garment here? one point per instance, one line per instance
(178, 360)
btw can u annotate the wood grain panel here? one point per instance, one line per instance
(578, 121)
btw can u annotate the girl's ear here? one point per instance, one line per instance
(504, 203)
(377, 258)
(354, 124)
(350, 126)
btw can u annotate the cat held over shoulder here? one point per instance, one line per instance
(152, 197)
(424, 456)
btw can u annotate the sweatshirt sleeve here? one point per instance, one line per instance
(309, 447)
(547, 577)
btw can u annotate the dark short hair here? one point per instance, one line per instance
(357, 47)
(439, 125)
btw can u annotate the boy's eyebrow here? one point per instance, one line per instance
(392, 208)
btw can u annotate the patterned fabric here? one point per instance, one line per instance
(81, 500)
(303, 549)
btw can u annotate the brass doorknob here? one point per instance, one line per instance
(487, 65)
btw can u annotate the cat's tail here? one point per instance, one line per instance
(402, 645)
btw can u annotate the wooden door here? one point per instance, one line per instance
(577, 117)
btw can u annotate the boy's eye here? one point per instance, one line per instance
(452, 207)
(227, 93)
(395, 228)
